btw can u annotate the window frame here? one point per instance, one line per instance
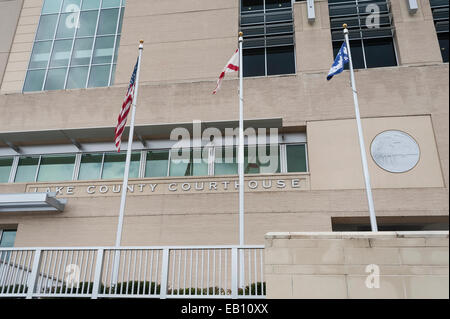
(436, 21)
(112, 64)
(282, 148)
(2, 230)
(264, 35)
(360, 29)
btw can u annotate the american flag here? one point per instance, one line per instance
(122, 120)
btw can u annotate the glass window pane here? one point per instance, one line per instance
(113, 74)
(225, 162)
(77, 78)
(88, 23)
(55, 79)
(357, 53)
(5, 169)
(193, 163)
(200, 163)
(443, 44)
(380, 52)
(116, 51)
(110, 3)
(261, 159)
(119, 29)
(251, 165)
(34, 81)
(280, 60)
(252, 5)
(56, 168)
(82, 51)
(8, 238)
(254, 62)
(90, 166)
(108, 21)
(67, 25)
(70, 5)
(180, 162)
(114, 166)
(269, 159)
(26, 170)
(275, 4)
(47, 26)
(157, 163)
(104, 50)
(40, 55)
(99, 76)
(296, 158)
(91, 4)
(61, 53)
(51, 6)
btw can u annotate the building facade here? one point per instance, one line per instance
(64, 70)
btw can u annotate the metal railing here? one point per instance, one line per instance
(133, 272)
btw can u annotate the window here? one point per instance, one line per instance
(27, 168)
(371, 31)
(5, 169)
(48, 168)
(296, 158)
(157, 163)
(257, 160)
(7, 238)
(56, 168)
(225, 161)
(206, 161)
(261, 159)
(268, 28)
(75, 45)
(114, 166)
(188, 162)
(107, 166)
(440, 17)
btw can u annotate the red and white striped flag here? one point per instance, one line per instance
(232, 66)
(128, 101)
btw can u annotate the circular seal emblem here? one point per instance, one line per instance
(395, 151)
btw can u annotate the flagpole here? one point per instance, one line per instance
(373, 219)
(241, 143)
(241, 160)
(128, 159)
(127, 168)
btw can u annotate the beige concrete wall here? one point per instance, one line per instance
(415, 34)
(185, 40)
(333, 265)
(9, 15)
(340, 139)
(180, 218)
(314, 50)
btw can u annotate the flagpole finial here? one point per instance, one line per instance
(345, 25)
(241, 34)
(141, 41)
(141, 44)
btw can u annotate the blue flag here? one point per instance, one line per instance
(342, 58)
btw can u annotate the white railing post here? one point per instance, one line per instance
(164, 273)
(234, 273)
(32, 281)
(97, 274)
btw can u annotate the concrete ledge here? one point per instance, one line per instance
(351, 235)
